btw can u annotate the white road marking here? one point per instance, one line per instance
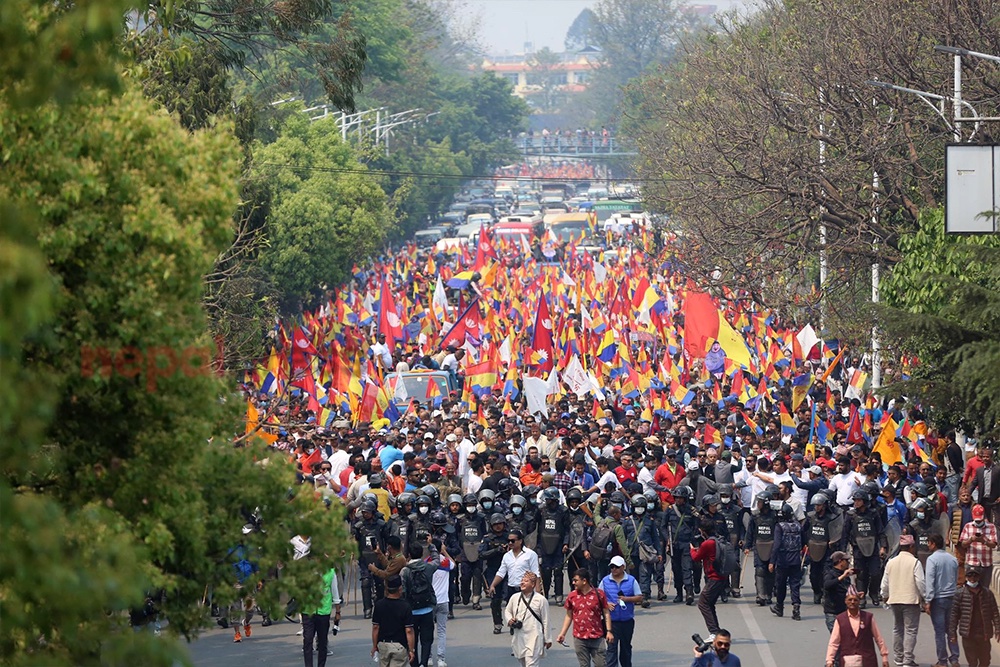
(759, 640)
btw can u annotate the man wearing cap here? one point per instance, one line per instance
(941, 581)
(904, 590)
(979, 539)
(836, 581)
(622, 592)
(974, 617)
(814, 481)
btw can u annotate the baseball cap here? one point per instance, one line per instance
(617, 561)
(428, 436)
(562, 432)
(838, 556)
(671, 453)
(978, 511)
(436, 468)
(816, 470)
(692, 465)
(617, 448)
(451, 437)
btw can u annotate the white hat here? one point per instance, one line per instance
(617, 561)
(816, 470)
(451, 437)
(428, 436)
(692, 465)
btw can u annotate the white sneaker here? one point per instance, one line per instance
(299, 633)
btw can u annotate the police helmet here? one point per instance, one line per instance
(369, 505)
(505, 486)
(423, 500)
(530, 492)
(438, 518)
(404, 499)
(860, 494)
(651, 496)
(683, 491)
(455, 498)
(574, 494)
(432, 492)
(469, 499)
(497, 518)
(638, 501)
(519, 501)
(820, 499)
(487, 494)
(786, 511)
(551, 495)
(710, 499)
(618, 498)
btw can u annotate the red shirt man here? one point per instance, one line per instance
(669, 476)
(627, 472)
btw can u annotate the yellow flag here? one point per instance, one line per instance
(253, 416)
(886, 444)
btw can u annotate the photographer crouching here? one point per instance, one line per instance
(716, 653)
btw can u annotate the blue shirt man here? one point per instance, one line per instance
(941, 579)
(622, 591)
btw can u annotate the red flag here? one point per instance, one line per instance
(701, 323)
(301, 346)
(542, 346)
(855, 435)
(468, 324)
(388, 320)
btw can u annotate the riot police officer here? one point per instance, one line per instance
(370, 532)
(491, 552)
(925, 523)
(420, 521)
(655, 513)
(578, 537)
(403, 519)
(433, 493)
(824, 534)
(681, 524)
(731, 515)
(648, 549)
(531, 494)
(760, 540)
(553, 541)
(866, 533)
(519, 516)
(487, 500)
(471, 530)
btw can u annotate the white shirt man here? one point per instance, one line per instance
(845, 483)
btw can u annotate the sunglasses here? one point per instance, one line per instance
(512, 541)
(721, 644)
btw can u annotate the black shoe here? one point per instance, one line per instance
(266, 623)
(465, 603)
(864, 603)
(451, 616)
(689, 600)
(678, 598)
(661, 596)
(725, 598)
(735, 593)
(223, 622)
(368, 613)
(497, 629)
(817, 599)
(777, 611)
(796, 614)
(761, 602)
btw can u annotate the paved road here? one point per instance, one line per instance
(662, 638)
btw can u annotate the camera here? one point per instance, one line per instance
(516, 625)
(701, 645)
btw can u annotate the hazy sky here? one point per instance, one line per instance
(505, 25)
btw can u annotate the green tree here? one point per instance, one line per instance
(578, 34)
(943, 306)
(327, 211)
(118, 477)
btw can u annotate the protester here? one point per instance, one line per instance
(979, 539)
(622, 592)
(706, 553)
(393, 640)
(587, 612)
(940, 580)
(974, 617)
(903, 589)
(316, 622)
(527, 616)
(855, 635)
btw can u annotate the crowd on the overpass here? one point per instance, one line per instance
(604, 436)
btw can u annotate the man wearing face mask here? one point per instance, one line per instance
(649, 546)
(974, 617)
(732, 516)
(979, 539)
(471, 529)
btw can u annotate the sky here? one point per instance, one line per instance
(505, 25)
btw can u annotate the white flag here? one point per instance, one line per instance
(576, 377)
(600, 273)
(439, 302)
(807, 339)
(535, 390)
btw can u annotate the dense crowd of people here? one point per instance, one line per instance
(650, 472)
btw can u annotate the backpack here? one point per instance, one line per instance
(419, 588)
(726, 561)
(604, 533)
